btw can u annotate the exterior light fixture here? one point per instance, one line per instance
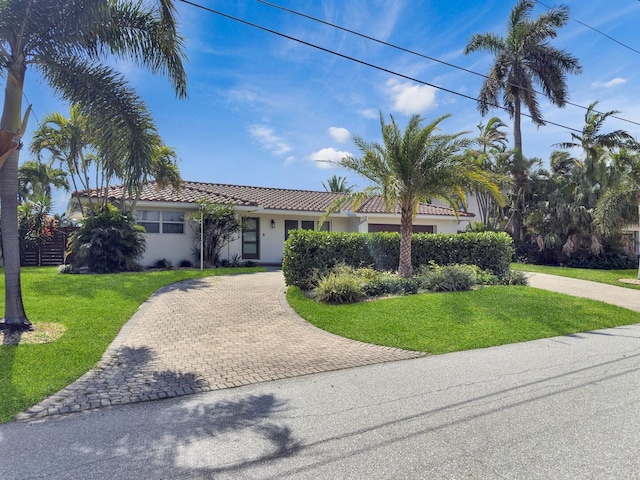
(273, 223)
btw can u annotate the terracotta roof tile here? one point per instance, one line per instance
(264, 197)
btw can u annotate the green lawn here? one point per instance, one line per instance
(449, 322)
(603, 276)
(92, 308)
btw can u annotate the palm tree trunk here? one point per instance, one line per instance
(11, 118)
(406, 224)
(516, 173)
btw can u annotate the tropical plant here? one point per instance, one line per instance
(75, 143)
(337, 184)
(35, 223)
(564, 215)
(524, 59)
(37, 180)
(67, 41)
(413, 166)
(620, 207)
(492, 155)
(218, 225)
(108, 241)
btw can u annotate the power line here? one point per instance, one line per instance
(422, 55)
(361, 62)
(592, 28)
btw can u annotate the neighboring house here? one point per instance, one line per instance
(269, 213)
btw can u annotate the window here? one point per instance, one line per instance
(251, 238)
(155, 221)
(303, 225)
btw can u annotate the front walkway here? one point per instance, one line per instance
(210, 334)
(621, 296)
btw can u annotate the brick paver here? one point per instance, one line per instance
(210, 334)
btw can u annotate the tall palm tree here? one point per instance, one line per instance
(413, 166)
(66, 41)
(337, 184)
(523, 60)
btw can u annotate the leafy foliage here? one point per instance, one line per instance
(310, 254)
(449, 278)
(339, 288)
(109, 241)
(220, 225)
(412, 166)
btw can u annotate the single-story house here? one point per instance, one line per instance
(269, 213)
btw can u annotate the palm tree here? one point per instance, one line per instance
(67, 141)
(66, 41)
(604, 164)
(337, 184)
(493, 156)
(37, 180)
(620, 207)
(524, 59)
(415, 166)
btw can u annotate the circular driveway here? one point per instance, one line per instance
(211, 334)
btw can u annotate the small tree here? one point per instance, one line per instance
(219, 226)
(35, 224)
(109, 241)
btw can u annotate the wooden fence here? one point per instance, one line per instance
(50, 252)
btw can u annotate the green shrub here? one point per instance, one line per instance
(186, 264)
(391, 284)
(108, 241)
(514, 277)
(308, 254)
(449, 278)
(339, 288)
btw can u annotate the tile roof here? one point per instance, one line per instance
(263, 197)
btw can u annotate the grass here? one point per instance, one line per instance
(603, 276)
(449, 322)
(92, 309)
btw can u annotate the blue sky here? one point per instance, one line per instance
(266, 111)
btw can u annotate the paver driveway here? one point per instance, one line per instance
(210, 334)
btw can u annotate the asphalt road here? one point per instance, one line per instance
(561, 408)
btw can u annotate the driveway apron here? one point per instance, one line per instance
(211, 334)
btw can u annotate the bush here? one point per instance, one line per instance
(308, 254)
(164, 264)
(186, 264)
(450, 278)
(390, 284)
(514, 277)
(108, 241)
(339, 288)
(604, 261)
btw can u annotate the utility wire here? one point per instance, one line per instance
(594, 29)
(412, 52)
(362, 62)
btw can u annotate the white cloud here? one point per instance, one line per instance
(611, 83)
(328, 157)
(370, 113)
(339, 134)
(289, 160)
(269, 140)
(410, 98)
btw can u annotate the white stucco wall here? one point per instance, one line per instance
(177, 247)
(441, 224)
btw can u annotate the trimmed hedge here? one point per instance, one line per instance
(309, 254)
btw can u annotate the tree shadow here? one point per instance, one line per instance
(180, 439)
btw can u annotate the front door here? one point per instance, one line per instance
(251, 238)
